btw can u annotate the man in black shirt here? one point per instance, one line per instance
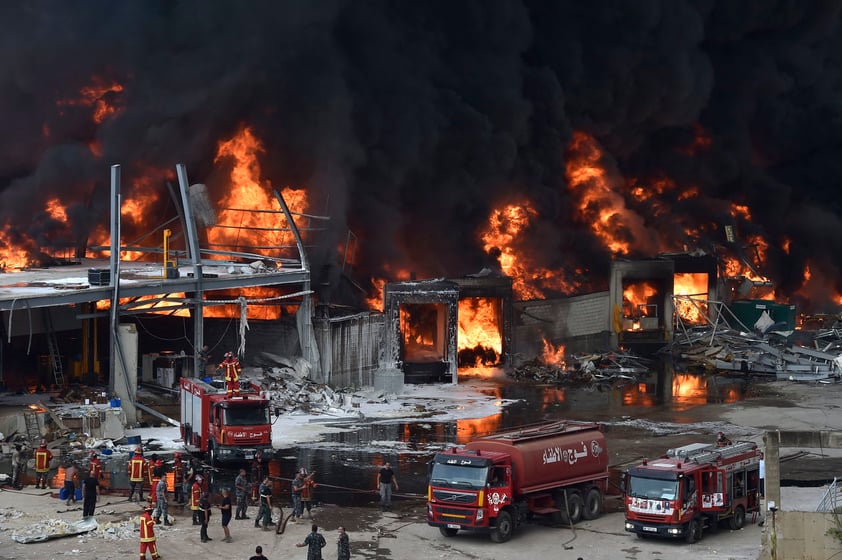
(258, 554)
(90, 492)
(385, 479)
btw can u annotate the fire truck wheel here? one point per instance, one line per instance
(593, 504)
(738, 519)
(447, 532)
(571, 506)
(694, 531)
(503, 531)
(575, 507)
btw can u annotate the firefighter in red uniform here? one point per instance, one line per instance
(195, 496)
(95, 466)
(153, 495)
(147, 534)
(231, 365)
(137, 474)
(43, 456)
(178, 478)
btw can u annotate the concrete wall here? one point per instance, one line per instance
(800, 535)
(581, 323)
(796, 534)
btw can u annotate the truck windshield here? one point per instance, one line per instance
(652, 488)
(246, 415)
(458, 476)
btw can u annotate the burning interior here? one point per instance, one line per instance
(437, 327)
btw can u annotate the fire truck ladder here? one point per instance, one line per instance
(52, 346)
(710, 453)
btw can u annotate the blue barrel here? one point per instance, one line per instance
(115, 403)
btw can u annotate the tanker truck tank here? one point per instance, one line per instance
(542, 457)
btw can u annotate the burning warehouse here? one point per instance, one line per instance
(565, 158)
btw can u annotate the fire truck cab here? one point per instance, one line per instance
(222, 426)
(692, 488)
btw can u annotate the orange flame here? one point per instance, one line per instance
(690, 284)
(553, 355)
(505, 233)
(101, 96)
(241, 228)
(480, 330)
(601, 204)
(638, 303)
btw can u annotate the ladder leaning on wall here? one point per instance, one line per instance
(52, 346)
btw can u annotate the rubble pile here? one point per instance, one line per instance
(289, 392)
(48, 529)
(586, 369)
(718, 348)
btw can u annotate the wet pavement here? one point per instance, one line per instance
(346, 463)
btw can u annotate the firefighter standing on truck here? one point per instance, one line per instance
(43, 456)
(231, 366)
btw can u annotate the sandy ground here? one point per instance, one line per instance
(403, 533)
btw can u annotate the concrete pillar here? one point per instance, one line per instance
(771, 441)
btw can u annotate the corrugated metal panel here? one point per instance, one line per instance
(351, 348)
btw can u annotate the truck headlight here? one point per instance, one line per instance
(629, 526)
(674, 531)
(480, 514)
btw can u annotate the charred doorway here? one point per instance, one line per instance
(435, 327)
(696, 279)
(421, 327)
(641, 298)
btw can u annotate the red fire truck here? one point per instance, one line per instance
(693, 488)
(225, 427)
(495, 483)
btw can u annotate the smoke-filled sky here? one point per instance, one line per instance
(411, 122)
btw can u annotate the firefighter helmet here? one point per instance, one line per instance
(43, 443)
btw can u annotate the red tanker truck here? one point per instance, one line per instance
(494, 484)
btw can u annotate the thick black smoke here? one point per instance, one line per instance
(412, 120)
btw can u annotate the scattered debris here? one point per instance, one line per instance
(718, 347)
(586, 369)
(49, 529)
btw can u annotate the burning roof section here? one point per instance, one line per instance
(545, 139)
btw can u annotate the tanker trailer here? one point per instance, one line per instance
(494, 484)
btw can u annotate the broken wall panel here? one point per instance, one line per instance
(351, 348)
(581, 323)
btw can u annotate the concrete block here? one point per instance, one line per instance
(388, 380)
